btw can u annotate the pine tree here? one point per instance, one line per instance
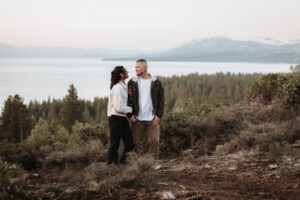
(71, 110)
(16, 120)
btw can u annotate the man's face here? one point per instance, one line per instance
(140, 69)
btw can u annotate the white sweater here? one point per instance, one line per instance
(117, 100)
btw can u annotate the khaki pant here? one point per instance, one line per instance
(138, 129)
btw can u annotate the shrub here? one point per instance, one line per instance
(289, 91)
(75, 153)
(110, 180)
(175, 134)
(282, 88)
(84, 133)
(40, 135)
(18, 153)
(10, 189)
(62, 135)
(265, 89)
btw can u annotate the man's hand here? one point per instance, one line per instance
(155, 120)
(133, 119)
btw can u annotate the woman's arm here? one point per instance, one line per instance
(120, 101)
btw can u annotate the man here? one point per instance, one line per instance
(146, 97)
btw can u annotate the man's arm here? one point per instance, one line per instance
(161, 103)
(130, 98)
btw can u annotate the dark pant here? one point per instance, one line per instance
(119, 128)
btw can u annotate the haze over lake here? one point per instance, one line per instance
(40, 78)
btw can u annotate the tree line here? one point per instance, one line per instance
(17, 119)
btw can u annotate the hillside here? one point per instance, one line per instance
(244, 150)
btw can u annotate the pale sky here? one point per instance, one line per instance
(144, 24)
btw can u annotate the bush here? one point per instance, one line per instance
(175, 134)
(18, 153)
(40, 135)
(62, 135)
(84, 133)
(265, 89)
(74, 153)
(109, 181)
(10, 189)
(282, 88)
(289, 91)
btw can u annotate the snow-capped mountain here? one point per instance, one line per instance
(221, 49)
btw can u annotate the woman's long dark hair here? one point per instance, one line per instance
(115, 75)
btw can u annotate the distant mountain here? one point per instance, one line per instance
(216, 49)
(220, 49)
(9, 51)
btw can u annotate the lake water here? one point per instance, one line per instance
(40, 78)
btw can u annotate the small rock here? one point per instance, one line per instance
(168, 195)
(232, 168)
(157, 166)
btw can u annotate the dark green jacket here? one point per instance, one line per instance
(157, 96)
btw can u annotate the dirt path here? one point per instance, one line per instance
(236, 176)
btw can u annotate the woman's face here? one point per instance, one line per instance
(124, 75)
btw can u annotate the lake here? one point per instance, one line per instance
(40, 78)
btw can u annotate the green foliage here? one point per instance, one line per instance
(215, 88)
(175, 134)
(18, 153)
(10, 189)
(16, 120)
(289, 90)
(71, 110)
(264, 89)
(62, 135)
(88, 132)
(282, 88)
(41, 135)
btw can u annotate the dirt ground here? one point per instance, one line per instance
(236, 176)
(243, 175)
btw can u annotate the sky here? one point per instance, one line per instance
(146, 25)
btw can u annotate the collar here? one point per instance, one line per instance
(136, 78)
(123, 85)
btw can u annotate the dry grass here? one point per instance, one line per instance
(110, 181)
(72, 152)
(245, 128)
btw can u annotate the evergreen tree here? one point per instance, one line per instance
(71, 110)
(16, 120)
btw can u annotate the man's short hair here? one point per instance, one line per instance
(143, 62)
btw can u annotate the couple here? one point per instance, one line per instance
(142, 101)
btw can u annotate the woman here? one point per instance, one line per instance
(117, 112)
